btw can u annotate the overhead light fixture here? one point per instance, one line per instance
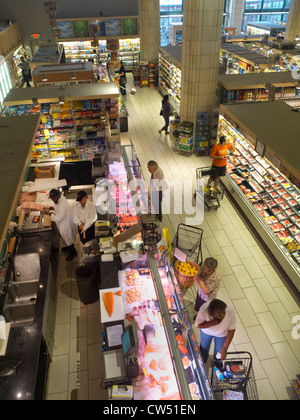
(73, 75)
(44, 77)
(35, 102)
(61, 99)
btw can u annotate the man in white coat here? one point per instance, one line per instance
(85, 216)
(62, 215)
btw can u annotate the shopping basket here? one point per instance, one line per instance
(188, 239)
(241, 382)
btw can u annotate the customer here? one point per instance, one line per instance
(62, 215)
(208, 280)
(122, 79)
(156, 186)
(26, 73)
(85, 216)
(216, 321)
(165, 112)
(219, 155)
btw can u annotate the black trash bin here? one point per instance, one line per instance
(87, 284)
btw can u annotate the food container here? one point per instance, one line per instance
(186, 281)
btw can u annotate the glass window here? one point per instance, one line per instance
(167, 6)
(273, 4)
(253, 4)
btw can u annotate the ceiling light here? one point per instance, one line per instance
(44, 78)
(61, 99)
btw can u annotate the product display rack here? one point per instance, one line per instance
(170, 74)
(257, 87)
(77, 129)
(80, 51)
(270, 200)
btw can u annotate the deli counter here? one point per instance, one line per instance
(148, 341)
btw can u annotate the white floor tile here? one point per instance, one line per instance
(245, 313)
(270, 327)
(260, 342)
(278, 378)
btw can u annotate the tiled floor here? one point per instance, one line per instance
(262, 302)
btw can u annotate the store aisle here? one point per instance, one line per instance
(264, 306)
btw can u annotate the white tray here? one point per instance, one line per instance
(118, 313)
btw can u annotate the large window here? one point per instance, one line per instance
(266, 11)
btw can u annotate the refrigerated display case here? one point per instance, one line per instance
(270, 200)
(169, 363)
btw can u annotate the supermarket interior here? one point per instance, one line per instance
(150, 210)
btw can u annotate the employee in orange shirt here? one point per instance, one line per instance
(219, 155)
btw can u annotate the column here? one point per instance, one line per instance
(201, 41)
(235, 10)
(149, 14)
(293, 23)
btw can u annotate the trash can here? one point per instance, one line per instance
(87, 284)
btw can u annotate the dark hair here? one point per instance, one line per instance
(216, 305)
(211, 263)
(222, 139)
(54, 193)
(165, 98)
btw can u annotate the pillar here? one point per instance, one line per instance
(201, 41)
(293, 23)
(149, 15)
(235, 10)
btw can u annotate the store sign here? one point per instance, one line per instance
(35, 36)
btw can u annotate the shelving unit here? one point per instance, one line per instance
(144, 73)
(258, 180)
(70, 73)
(152, 74)
(257, 87)
(203, 133)
(84, 125)
(81, 51)
(170, 74)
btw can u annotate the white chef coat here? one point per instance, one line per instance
(86, 215)
(63, 217)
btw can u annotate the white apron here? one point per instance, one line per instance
(63, 217)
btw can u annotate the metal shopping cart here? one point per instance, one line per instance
(212, 197)
(239, 381)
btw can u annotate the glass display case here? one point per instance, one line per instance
(270, 200)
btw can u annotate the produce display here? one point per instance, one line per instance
(187, 268)
(273, 196)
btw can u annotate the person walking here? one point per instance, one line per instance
(219, 155)
(122, 79)
(165, 112)
(26, 73)
(217, 322)
(85, 216)
(156, 187)
(62, 215)
(208, 279)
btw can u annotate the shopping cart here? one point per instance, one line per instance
(188, 239)
(240, 382)
(211, 198)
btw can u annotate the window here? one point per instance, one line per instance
(253, 4)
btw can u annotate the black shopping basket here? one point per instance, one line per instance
(188, 239)
(239, 381)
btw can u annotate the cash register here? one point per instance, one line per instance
(121, 365)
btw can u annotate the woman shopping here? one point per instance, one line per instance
(165, 112)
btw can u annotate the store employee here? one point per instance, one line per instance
(85, 216)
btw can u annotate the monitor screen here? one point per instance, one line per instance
(126, 342)
(130, 341)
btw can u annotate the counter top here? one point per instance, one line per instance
(24, 342)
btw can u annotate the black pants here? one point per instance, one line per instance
(157, 197)
(89, 234)
(71, 249)
(199, 302)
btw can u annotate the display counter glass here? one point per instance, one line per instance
(267, 196)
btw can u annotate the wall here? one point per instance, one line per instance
(32, 18)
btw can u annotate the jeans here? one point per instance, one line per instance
(167, 122)
(205, 343)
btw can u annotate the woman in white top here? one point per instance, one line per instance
(216, 321)
(85, 216)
